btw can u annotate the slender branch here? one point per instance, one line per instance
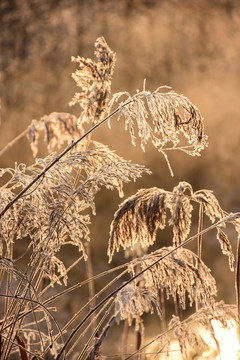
(229, 217)
(199, 246)
(11, 143)
(57, 158)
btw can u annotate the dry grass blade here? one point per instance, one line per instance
(96, 352)
(214, 211)
(23, 354)
(161, 344)
(13, 142)
(237, 270)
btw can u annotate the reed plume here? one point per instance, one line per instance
(141, 215)
(163, 117)
(94, 78)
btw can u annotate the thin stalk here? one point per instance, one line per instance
(139, 343)
(9, 278)
(11, 143)
(162, 308)
(76, 286)
(199, 246)
(91, 287)
(200, 226)
(93, 299)
(95, 352)
(125, 338)
(16, 306)
(149, 343)
(100, 322)
(43, 308)
(35, 314)
(178, 310)
(237, 283)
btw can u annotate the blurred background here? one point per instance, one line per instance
(192, 46)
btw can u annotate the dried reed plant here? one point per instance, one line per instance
(50, 204)
(140, 216)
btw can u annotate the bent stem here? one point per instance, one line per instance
(95, 352)
(237, 284)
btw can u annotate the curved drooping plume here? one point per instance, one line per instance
(140, 216)
(163, 117)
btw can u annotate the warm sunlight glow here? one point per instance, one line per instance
(227, 339)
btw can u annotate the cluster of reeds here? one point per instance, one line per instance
(49, 204)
